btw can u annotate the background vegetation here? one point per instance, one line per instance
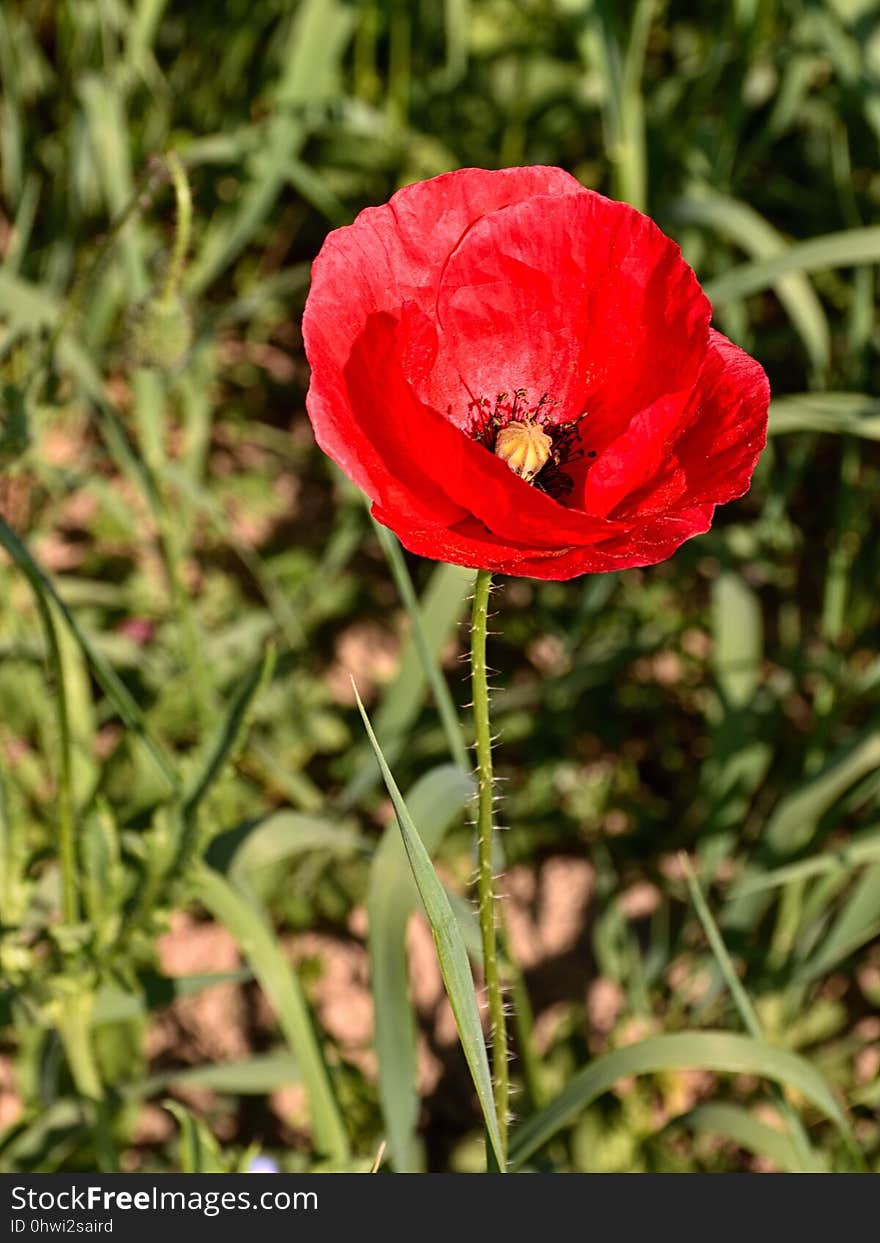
(187, 583)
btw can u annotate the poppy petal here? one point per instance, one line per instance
(575, 296)
(720, 439)
(721, 447)
(390, 255)
(431, 456)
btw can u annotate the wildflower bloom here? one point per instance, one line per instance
(521, 375)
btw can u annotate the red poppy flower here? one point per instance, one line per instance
(521, 376)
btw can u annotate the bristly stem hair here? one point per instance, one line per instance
(485, 830)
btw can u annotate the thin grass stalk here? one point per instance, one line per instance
(66, 823)
(442, 698)
(747, 1012)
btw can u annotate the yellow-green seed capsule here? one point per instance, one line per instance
(525, 447)
(161, 334)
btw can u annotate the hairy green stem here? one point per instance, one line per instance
(485, 828)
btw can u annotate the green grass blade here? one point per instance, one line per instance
(24, 220)
(107, 126)
(755, 235)
(310, 57)
(795, 821)
(738, 634)
(434, 802)
(253, 1076)
(286, 834)
(835, 250)
(103, 876)
(796, 818)
(230, 733)
(451, 951)
(442, 699)
(843, 859)
(13, 859)
(741, 999)
(198, 1150)
(110, 683)
(456, 23)
(739, 1126)
(851, 414)
(721, 1052)
(441, 607)
(281, 985)
(857, 923)
(747, 1013)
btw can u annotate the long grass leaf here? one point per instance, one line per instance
(229, 733)
(110, 683)
(751, 231)
(451, 951)
(857, 923)
(795, 820)
(738, 634)
(834, 250)
(281, 985)
(747, 1013)
(739, 1126)
(287, 834)
(198, 1150)
(441, 607)
(253, 1076)
(841, 859)
(434, 802)
(442, 699)
(721, 1052)
(851, 414)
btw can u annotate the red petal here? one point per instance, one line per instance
(576, 296)
(724, 433)
(720, 450)
(452, 474)
(390, 255)
(470, 544)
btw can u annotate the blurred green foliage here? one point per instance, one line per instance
(187, 581)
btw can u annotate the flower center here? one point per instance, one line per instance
(524, 447)
(523, 436)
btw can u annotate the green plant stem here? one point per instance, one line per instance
(182, 226)
(485, 878)
(66, 827)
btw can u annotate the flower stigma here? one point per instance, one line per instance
(525, 447)
(532, 444)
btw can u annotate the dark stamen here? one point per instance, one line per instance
(487, 420)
